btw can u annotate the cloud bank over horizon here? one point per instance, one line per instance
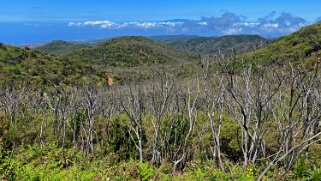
(271, 25)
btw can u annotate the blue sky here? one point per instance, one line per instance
(24, 21)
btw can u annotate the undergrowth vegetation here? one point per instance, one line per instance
(238, 126)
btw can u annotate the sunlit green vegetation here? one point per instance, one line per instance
(300, 48)
(130, 52)
(25, 66)
(59, 47)
(213, 45)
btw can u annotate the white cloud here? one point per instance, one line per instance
(74, 24)
(271, 25)
(103, 24)
(203, 23)
(248, 24)
(32, 24)
(233, 31)
(227, 23)
(145, 25)
(112, 25)
(106, 24)
(171, 24)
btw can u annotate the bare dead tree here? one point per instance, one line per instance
(134, 107)
(192, 116)
(10, 99)
(298, 115)
(253, 95)
(159, 96)
(91, 103)
(214, 107)
(108, 108)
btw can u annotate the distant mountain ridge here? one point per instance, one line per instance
(59, 47)
(172, 37)
(212, 45)
(92, 42)
(130, 51)
(189, 43)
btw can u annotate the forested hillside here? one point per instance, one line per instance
(300, 48)
(25, 66)
(59, 47)
(126, 59)
(129, 52)
(231, 44)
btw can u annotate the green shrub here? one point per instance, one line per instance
(146, 171)
(315, 174)
(300, 169)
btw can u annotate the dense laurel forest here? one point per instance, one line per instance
(214, 45)
(129, 52)
(25, 66)
(301, 48)
(167, 115)
(59, 47)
